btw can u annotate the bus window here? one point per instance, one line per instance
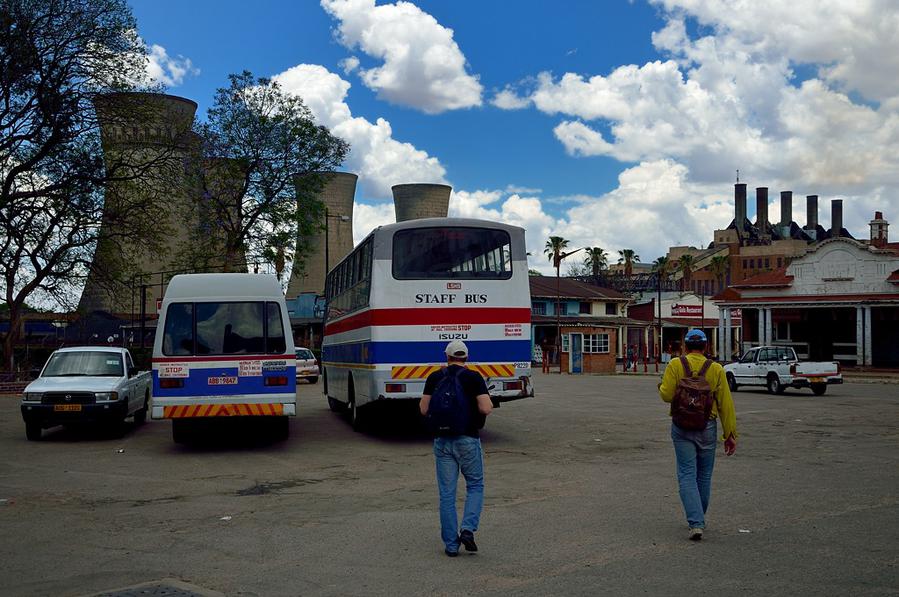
(178, 337)
(275, 342)
(229, 328)
(438, 253)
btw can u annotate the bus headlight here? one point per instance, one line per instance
(106, 396)
(32, 396)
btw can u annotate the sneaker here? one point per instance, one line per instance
(696, 534)
(451, 554)
(466, 538)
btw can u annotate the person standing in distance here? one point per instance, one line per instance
(694, 449)
(455, 420)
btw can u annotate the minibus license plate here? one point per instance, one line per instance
(67, 407)
(229, 380)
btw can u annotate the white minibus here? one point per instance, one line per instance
(223, 348)
(409, 288)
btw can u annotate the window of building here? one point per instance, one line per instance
(745, 264)
(767, 264)
(752, 264)
(538, 308)
(611, 309)
(596, 343)
(563, 308)
(780, 262)
(564, 342)
(584, 308)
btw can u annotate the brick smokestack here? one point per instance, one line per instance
(836, 217)
(786, 208)
(739, 204)
(879, 230)
(811, 211)
(761, 209)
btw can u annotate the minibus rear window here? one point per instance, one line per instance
(458, 253)
(224, 328)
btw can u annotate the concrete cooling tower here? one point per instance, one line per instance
(337, 195)
(419, 200)
(151, 132)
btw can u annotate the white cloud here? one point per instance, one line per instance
(508, 99)
(423, 66)
(368, 216)
(168, 70)
(349, 64)
(380, 160)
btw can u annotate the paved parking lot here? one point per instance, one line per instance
(581, 500)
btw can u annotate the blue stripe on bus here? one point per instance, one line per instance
(479, 351)
(197, 384)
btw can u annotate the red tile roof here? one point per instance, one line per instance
(545, 287)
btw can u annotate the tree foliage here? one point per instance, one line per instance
(56, 58)
(596, 259)
(628, 257)
(263, 157)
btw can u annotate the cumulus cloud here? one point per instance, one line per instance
(422, 65)
(509, 99)
(380, 160)
(168, 70)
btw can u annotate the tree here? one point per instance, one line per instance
(685, 264)
(577, 270)
(628, 257)
(596, 259)
(533, 272)
(553, 250)
(662, 266)
(56, 58)
(269, 156)
(719, 266)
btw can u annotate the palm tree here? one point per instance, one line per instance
(597, 259)
(719, 266)
(553, 250)
(628, 257)
(662, 266)
(685, 265)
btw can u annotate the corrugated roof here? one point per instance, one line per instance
(545, 287)
(772, 279)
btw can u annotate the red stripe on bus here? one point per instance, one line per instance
(431, 316)
(234, 357)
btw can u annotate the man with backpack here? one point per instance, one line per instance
(455, 404)
(699, 395)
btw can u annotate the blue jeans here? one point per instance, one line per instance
(454, 454)
(695, 452)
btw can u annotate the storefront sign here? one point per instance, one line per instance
(686, 310)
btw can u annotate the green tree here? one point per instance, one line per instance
(628, 257)
(270, 158)
(596, 259)
(685, 264)
(719, 266)
(56, 58)
(553, 250)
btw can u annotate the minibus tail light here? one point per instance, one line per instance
(171, 383)
(395, 388)
(276, 380)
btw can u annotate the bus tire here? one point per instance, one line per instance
(282, 428)
(336, 405)
(313, 380)
(357, 419)
(180, 431)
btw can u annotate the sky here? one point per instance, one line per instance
(613, 123)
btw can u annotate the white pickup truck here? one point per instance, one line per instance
(86, 384)
(777, 368)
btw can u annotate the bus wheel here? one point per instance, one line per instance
(180, 431)
(282, 428)
(336, 405)
(357, 420)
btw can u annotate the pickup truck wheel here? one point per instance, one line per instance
(140, 417)
(774, 385)
(819, 388)
(731, 382)
(33, 431)
(313, 380)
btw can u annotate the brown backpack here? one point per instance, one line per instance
(693, 398)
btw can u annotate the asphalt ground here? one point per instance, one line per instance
(581, 499)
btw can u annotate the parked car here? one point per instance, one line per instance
(778, 368)
(86, 384)
(307, 365)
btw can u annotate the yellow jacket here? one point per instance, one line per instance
(722, 407)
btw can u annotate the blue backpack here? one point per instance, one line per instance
(448, 411)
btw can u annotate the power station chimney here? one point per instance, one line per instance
(786, 208)
(420, 200)
(879, 230)
(337, 195)
(739, 204)
(811, 209)
(761, 209)
(836, 218)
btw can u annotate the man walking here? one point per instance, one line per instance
(698, 392)
(456, 403)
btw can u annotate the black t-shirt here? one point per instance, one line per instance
(473, 385)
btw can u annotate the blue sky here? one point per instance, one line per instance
(616, 123)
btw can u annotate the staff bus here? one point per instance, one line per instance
(408, 289)
(223, 348)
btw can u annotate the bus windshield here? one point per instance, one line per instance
(223, 328)
(451, 252)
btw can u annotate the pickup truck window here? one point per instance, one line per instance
(86, 363)
(242, 327)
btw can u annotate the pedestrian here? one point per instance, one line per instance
(455, 422)
(696, 407)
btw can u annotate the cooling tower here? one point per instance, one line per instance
(337, 195)
(147, 140)
(416, 201)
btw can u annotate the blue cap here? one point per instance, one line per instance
(695, 336)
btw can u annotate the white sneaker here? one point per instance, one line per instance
(695, 534)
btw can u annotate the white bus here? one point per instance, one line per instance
(224, 348)
(409, 288)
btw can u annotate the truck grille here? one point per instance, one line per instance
(68, 398)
